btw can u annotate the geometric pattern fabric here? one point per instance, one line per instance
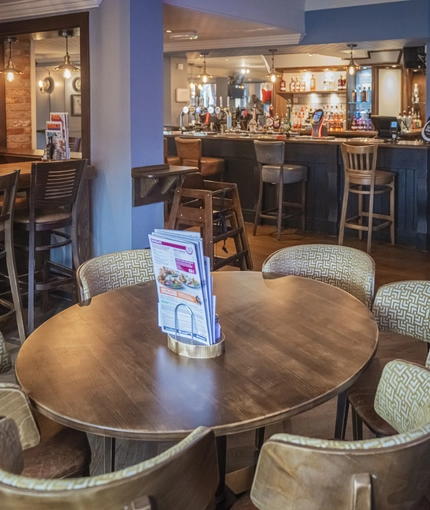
(5, 360)
(114, 270)
(343, 267)
(403, 395)
(404, 307)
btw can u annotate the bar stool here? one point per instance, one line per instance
(362, 179)
(270, 159)
(190, 152)
(54, 197)
(170, 160)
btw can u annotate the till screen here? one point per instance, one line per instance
(317, 116)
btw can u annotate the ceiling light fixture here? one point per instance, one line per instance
(204, 76)
(66, 66)
(352, 66)
(183, 34)
(273, 75)
(10, 70)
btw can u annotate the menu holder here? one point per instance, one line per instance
(188, 347)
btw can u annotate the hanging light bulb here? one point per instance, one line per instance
(10, 70)
(273, 75)
(66, 66)
(204, 76)
(352, 66)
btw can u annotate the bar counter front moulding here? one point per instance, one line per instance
(325, 182)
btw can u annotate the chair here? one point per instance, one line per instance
(51, 450)
(270, 159)
(184, 477)
(400, 307)
(8, 186)
(53, 205)
(75, 143)
(190, 153)
(300, 473)
(362, 179)
(340, 266)
(113, 271)
(170, 160)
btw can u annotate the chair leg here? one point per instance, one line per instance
(341, 416)
(370, 224)
(109, 454)
(259, 203)
(357, 426)
(304, 205)
(14, 286)
(392, 206)
(344, 209)
(31, 282)
(280, 187)
(360, 213)
(259, 440)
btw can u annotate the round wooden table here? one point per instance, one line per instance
(291, 344)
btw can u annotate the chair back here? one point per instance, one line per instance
(11, 458)
(5, 360)
(184, 477)
(75, 143)
(403, 395)
(404, 307)
(359, 161)
(299, 473)
(114, 270)
(56, 184)
(8, 187)
(269, 153)
(347, 268)
(190, 151)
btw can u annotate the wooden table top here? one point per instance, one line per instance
(291, 344)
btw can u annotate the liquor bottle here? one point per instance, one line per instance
(364, 95)
(276, 121)
(271, 111)
(283, 85)
(354, 96)
(292, 85)
(359, 95)
(303, 85)
(339, 83)
(297, 84)
(369, 95)
(313, 84)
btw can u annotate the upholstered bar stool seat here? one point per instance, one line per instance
(170, 160)
(291, 173)
(190, 153)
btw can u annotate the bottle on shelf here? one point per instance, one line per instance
(339, 83)
(364, 95)
(276, 121)
(313, 83)
(358, 95)
(297, 84)
(303, 85)
(282, 85)
(292, 85)
(354, 96)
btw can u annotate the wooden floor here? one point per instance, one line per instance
(393, 263)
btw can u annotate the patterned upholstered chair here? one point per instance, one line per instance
(5, 361)
(112, 271)
(184, 477)
(347, 268)
(400, 307)
(390, 473)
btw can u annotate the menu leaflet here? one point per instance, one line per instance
(186, 306)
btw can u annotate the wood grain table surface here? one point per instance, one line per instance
(291, 344)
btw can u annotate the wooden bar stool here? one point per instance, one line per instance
(362, 179)
(215, 208)
(190, 152)
(270, 159)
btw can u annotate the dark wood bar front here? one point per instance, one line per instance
(409, 160)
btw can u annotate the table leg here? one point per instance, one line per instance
(341, 416)
(109, 454)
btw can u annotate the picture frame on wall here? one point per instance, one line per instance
(75, 108)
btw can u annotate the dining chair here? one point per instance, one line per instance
(400, 307)
(5, 359)
(8, 188)
(273, 169)
(184, 477)
(189, 151)
(301, 473)
(343, 267)
(361, 178)
(53, 206)
(114, 270)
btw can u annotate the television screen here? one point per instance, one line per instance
(384, 125)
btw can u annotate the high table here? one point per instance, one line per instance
(291, 344)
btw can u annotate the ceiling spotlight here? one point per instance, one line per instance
(273, 75)
(204, 76)
(66, 65)
(10, 70)
(352, 66)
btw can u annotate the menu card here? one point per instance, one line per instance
(183, 278)
(58, 128)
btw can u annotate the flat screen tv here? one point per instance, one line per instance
(384, 124)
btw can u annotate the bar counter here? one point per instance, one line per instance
(408, 159)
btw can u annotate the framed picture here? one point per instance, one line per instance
(76, 105)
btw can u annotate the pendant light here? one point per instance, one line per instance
(273, 75)
(352, 66)
(66, 66)
(10, 70)
(204, 76)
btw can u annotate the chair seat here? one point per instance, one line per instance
(173, 160)
(292, 173)
(362, 394)
(211, 166)
(61, 453)
(382, 177)
(48, 216)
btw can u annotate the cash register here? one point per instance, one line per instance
(318, 129)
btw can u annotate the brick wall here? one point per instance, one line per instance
(18, 99)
